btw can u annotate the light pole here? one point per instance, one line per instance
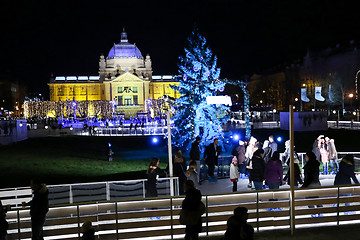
(169, 101)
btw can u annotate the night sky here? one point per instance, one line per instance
(67, 37)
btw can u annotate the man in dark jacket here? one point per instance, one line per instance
(258, 168)
(211, 156)
(195, 151)
(39, 206)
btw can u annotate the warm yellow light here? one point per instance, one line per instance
(296, 99)
(351, 95)
(304, 85)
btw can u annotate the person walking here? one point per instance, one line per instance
(39, 206)
(234, 173)
(179, 167)
(311, 175)
(191, 174)
(239, 152)
(267, 151)
(237, 226)
(324, 153)
(272, 144)
(211, 156)
(316, 147)
(346, 171)
(153, 171)
(333, 156)
(297, 178)
(273, 174)
(250, 149)
(192, 209)
(258, 168)
(195, 155)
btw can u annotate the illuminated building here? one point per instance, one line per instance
(125, 78)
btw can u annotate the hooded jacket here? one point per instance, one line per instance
(345, 174)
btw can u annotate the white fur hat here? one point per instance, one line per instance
(241, 142)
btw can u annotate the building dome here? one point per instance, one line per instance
(124, 49)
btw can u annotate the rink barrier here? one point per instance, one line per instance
(157, 218)
(88, 192)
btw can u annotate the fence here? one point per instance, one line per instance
(89, 192)
(158, 218)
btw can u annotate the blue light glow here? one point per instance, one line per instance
(109, 145)
(279, 139)
(155, 140)
(236, 137)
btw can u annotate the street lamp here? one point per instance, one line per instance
(169, 101)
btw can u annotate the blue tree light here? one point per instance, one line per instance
(279, 139)
(236, 137)
(154, 140)
(199, 79)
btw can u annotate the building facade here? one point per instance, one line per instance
(125, 77)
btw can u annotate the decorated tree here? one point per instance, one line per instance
(200, 79)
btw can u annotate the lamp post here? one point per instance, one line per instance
(169, 101)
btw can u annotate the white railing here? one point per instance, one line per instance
(158, 218)
(88, 192)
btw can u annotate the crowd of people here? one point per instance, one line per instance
(260, 163)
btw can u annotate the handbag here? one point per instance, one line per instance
(191, 218)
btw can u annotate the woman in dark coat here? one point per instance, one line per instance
(192, 202)
(346, 171)
(152, 172)
(297, 173)
(258, 168)
(311, 175)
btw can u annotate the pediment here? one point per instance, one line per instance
(127, 77)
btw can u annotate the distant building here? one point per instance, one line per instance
(125, 78)
(333, 72)
(12, 95)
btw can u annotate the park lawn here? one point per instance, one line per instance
(57, 160)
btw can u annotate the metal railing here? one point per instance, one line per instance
(158, 218)
(88, 192)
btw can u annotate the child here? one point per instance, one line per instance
(191, 174)
(234, 173)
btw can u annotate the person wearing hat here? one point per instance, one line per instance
(237, 226)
